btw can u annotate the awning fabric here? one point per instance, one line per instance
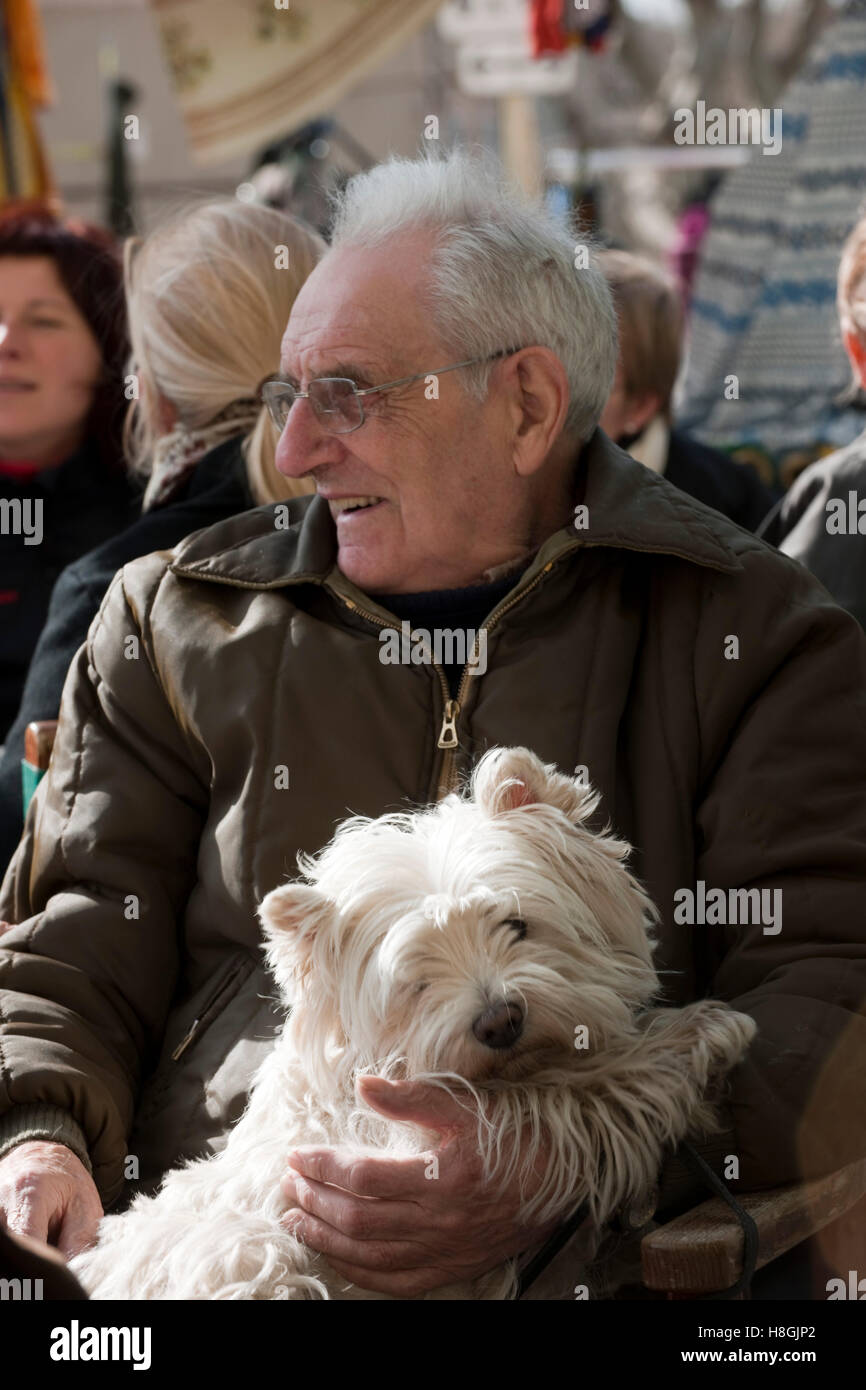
(245, 74)
(25, 84)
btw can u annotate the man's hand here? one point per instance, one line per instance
(46, 1192)
(404, 1226)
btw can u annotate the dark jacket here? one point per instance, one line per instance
(816, 524)
(734, 489)
(134, 994)
(81, 504)
(216, 489)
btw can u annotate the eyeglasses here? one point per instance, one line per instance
(336, 400)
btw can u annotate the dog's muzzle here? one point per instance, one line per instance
(500, 1025)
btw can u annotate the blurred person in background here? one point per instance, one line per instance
(63, 347)
(638, 412)
(822, 520)
(208, 295)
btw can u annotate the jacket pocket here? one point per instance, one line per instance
(220, 1036)
(227, 986)
(205, 1007)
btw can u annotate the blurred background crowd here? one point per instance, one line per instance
(153, 153)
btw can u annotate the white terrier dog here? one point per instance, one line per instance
(493, 945)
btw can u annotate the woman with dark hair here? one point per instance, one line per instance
(63, 485)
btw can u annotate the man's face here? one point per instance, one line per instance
(444, 498)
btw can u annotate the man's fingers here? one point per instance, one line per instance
(373, 1255)
(418, 1102)
(29, 1217)
(360, 1218)
(366, 1175)
(77, 1233)
(81, 1226)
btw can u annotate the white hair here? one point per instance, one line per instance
(505, 272)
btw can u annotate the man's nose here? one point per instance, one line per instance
(500, 1025)
(303, 444)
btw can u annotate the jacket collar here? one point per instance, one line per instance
(628, 508)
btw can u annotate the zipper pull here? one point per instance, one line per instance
(185, 1042)
(448, 732)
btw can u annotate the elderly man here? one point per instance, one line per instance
(442, 374)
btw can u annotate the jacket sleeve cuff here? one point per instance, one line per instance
(49, 1123)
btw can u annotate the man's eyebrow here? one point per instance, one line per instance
(360, 375)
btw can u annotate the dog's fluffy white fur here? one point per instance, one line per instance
(502, 906)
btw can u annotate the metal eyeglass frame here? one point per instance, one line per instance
(358, 391)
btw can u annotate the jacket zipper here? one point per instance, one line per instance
(448, 734)
(448, 739)
(185, 1041)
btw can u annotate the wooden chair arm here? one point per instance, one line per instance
(39, 741)
(702, 1250)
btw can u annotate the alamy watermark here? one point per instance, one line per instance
(736, 126)
(408, 646)
(77, 1343)
(22, 517)
(718, 907)
(21, 1290)
(855, 1289)
(845, 518)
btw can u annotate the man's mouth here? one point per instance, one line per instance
(340, 505)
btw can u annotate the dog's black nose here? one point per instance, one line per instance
(500, 1025)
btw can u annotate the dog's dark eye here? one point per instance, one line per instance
(419, 989)
(518, 926)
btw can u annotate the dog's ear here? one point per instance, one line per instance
(507, 779)
(294, 907)
(292, 917)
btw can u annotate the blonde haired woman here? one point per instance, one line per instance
(208, 292)
(208, 296)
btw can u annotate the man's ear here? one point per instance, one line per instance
(508, 779)
(538, 395)
(293, 917)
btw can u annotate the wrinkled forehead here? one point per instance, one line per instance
(364, 305)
